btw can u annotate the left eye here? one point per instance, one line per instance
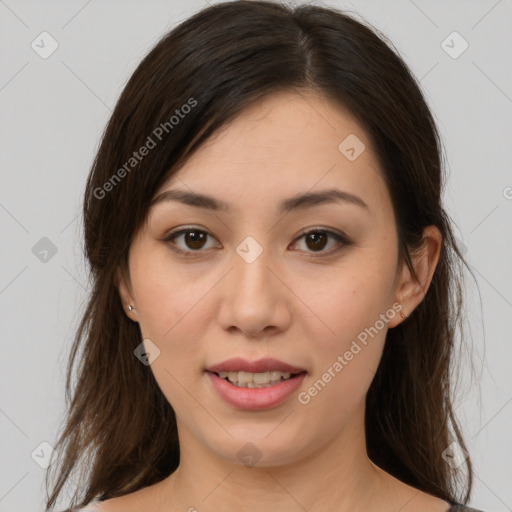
(317, 239)
(195, 239)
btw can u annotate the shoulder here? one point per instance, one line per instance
(142, 499)
(110, 505)
(147, 498)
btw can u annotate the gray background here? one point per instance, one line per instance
(53, 112)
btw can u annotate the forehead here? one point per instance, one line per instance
(280, 146)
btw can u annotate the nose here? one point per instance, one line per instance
(253, 298)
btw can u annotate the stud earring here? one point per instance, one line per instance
(130, 307)
(402, 314)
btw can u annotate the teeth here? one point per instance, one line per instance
(275, 376)
(254, 380)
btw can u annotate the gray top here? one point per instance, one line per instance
(457, 507)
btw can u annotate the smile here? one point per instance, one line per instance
(255, 380)
(251, 395)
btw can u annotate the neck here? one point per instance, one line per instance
(337, 475)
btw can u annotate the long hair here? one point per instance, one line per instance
(120, 432)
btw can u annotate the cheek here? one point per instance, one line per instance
(171, 313)
(345, 362)
(348, 351)
(352, 310)
(175, 322)
(347, 300)
(168, 295)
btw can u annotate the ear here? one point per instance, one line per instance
(409, 291)
(125, 292)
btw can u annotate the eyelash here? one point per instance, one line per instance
(340, 238)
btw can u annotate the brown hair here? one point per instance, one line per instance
(219, 60)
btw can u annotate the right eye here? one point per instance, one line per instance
(193, 238)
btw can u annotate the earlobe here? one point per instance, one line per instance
(126, 295)
(410, 291)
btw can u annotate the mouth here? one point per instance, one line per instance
(267, 379)
(255, 385)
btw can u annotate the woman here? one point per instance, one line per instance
(276, 282)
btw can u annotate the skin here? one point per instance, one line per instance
(297, 302)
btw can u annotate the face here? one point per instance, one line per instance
(310, 283)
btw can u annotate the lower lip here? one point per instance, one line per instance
(255, 399)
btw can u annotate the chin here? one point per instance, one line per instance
(261, 446)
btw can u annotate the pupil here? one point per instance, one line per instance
(313, 237)
(194, 237)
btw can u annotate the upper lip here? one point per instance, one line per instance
(238, 364)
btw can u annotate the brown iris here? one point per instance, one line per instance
(195, 239)
(317, 238)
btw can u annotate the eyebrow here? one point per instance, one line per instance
(299, 202)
